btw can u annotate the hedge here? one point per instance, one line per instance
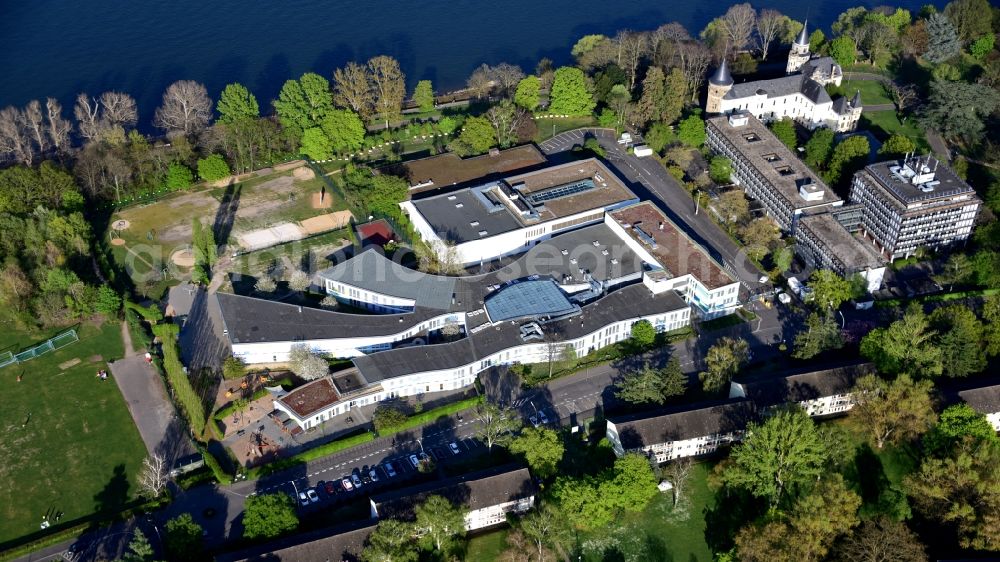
(189, 401)
(212, 463)
(894, 303)
(422, 418)
(151, 314)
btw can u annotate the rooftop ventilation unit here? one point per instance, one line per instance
(596, 243)
(738, 119)
(644, 236)
(604, 252)
(564, 252)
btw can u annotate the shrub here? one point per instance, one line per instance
(213, 168)
(189, 401)
(179, 176)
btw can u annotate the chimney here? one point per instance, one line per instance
(661, 225)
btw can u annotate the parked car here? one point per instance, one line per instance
(356, 479)
(454, 448)
(414, 461)
(389, 470)
(303, 499)
(542, 417)
(346, 483)
(534, 421)
(330, 488)
(312, 495)
(373, 475)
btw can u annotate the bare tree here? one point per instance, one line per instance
(88, 117)
(15, 137)
(186, 108)
(119, 109)
(694, 59)
(480, 82)
(496, 424)
(666, 41)
(34, 120)
(770, 25)
(389, 86)
(903, 96)
(153, 476)
(738, 24)
(299, 280)
(506, 77)
(352, 88)
(632, 46)
(678, 473)
(505, 118)
(59, 128)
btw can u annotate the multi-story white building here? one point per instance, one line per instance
(819, 393)
(912, 203)
(676, 263)
(671, 434)
(986, 401)
(801, 95)
(488, 496)
(508, 216)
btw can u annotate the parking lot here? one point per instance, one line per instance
(346, 481)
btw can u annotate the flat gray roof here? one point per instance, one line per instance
(837, 243)
(773, 160)
(483, 211)
(460, 216)
(949, 184)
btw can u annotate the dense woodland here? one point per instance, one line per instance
(793, 492)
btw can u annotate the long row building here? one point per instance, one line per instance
(696, 430)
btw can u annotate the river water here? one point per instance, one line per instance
(62, 47)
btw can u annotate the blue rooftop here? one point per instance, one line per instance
(529, 298)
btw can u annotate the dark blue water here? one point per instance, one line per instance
(62, 47)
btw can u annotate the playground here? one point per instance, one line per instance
(69, 445)
(269, 208)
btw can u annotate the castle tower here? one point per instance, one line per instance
(855, 115)
(799, 54)
(718, 86)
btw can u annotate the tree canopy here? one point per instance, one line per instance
(541, 448)
(571, 93)
(905, 346)
(893, 411)
(778, 455)
(269, 515)
(652, 386)
(527, 93)
(236, 103)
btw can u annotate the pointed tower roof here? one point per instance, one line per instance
(856, 102)
(803, 38)
(722, 77)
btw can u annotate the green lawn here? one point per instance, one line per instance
(67, 440)
(488, 547)
(658, 532)
(872, 91)
(885, 123)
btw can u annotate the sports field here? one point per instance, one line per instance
(68, 443)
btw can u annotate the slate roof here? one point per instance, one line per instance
(473, 491)
(677, 424)
(722, 77)
(985, 400)
(341, 543)
(799, 387)
(373, 271)
(253, 320)
(632, 301)
(781, 87)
